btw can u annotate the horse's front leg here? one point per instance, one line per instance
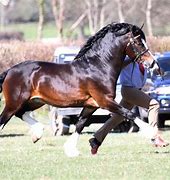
(70, 147)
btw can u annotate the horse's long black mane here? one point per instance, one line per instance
(118, 29)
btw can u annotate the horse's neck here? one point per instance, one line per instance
(107, 53)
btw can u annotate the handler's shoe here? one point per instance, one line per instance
(94, 143)
(159, 142)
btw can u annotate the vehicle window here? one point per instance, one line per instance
(66, 58)
(164, 63)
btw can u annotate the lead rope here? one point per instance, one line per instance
(132, 71)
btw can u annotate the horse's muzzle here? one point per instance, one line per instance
(156, 68)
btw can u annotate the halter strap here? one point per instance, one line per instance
(137, 53)
(140, 54)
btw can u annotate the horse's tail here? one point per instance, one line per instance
(2, 78)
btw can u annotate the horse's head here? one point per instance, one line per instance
(138, 51)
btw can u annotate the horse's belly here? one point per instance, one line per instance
(65, 102)
(63, 99)
(61, 91)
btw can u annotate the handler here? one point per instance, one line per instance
(132, 78)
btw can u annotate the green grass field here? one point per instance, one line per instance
(122, 156)
(30, 30)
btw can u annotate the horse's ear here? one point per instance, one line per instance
(142, 26)
(133, 29)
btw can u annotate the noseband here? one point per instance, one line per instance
(135, 50)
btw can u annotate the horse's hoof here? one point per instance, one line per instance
(2, 126)
(35, 139)
(71, 151)
(37, 132)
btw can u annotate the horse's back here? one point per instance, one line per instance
(30, 67)
(63, 84)
(57, 84)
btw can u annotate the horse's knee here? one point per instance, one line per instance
(80, 126)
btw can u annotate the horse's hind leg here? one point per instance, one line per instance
(24, 113)
(70, 147)
(6, 116)
(37, 128)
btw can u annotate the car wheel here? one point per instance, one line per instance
(60, 125)
(161, 121)
(63, 126)
(126, 126)
(122, 127)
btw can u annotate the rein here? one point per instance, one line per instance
(137, 53)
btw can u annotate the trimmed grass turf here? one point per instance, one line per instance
(122, 156)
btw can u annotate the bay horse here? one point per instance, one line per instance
(89, 81)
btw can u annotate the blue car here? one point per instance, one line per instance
(159, 89)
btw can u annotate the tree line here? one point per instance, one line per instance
(88, 15)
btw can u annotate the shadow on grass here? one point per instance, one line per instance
(10, 135)
(92, 132)
(166, 128)
(161, 152)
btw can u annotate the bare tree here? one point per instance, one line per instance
(41, 18)
(102, 12)
(95, 14)
(2, 17)
(148, 17)
(90, 17)
(4, 4)
(78, 21)
(120, 10)
(58, 12)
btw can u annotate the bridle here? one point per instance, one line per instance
(137, 53)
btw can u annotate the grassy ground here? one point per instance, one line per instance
(122, 156)
(30, 30)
